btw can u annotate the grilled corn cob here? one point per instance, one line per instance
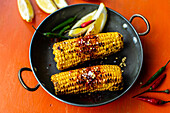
(90, 79)
(72, 52)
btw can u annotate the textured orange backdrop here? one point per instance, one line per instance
(15, 37)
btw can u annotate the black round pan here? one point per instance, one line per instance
(43, 65)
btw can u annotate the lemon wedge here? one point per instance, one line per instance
(80, 31)
(25, 9)
(60, 3)
(47, 6)
(100, 17)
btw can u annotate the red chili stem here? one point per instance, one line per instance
(165, 91)
(141, 93)
(167, 101)
(152, 100)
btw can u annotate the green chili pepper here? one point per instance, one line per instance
(51, 35)
(54, 35)
(68, 21)
(157, 74)
(65, 28)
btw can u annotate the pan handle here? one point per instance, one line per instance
(145, 20)
(22, 82)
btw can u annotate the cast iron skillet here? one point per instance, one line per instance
(43, 65)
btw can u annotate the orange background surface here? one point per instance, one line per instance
(15, 37)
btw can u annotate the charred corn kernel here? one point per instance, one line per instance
(72, 52)
(90, 79)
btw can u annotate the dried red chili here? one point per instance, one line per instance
(152, 100)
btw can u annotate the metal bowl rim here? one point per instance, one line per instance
(87, 105)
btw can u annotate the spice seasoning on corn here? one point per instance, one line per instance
(79, 50)
(90, 79)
